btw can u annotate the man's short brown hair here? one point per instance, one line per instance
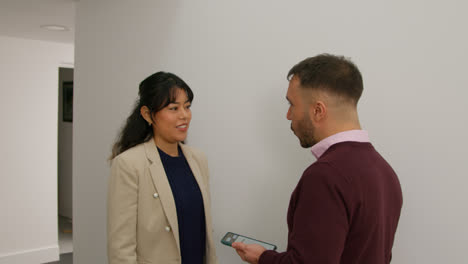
(330, 73)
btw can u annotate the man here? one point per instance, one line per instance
(346, 206)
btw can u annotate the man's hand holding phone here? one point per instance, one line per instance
(249, 249)
(249, 252)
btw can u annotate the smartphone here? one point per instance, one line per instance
(230, 238)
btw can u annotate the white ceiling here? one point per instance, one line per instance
(23, 18)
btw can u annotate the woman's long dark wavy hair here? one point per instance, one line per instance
(155, 92)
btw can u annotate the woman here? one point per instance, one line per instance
(158, 199)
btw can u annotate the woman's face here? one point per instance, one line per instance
(172, 122)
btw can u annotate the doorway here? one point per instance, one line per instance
(64, 166)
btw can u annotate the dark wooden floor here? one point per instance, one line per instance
(64, 259)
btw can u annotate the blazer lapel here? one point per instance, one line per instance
(196, 172)
(163, 187)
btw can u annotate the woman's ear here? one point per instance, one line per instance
(146, 114)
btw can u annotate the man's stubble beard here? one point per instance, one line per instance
(305, 132)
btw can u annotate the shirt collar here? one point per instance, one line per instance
(350, 135)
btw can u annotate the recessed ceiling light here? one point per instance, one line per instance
(54, 27)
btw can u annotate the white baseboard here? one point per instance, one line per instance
(33, 256)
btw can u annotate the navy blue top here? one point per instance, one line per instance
(189, 205)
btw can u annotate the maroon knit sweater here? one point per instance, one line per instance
(345, 209)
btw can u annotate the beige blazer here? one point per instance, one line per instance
(141, 213)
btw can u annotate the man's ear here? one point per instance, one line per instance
(318, 111)
(146, 114)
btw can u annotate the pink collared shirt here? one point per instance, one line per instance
(350, 135)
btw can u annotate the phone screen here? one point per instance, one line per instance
(230, 238)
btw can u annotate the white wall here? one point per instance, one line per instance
(65, 148)
(235, 56)
(28, 182)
